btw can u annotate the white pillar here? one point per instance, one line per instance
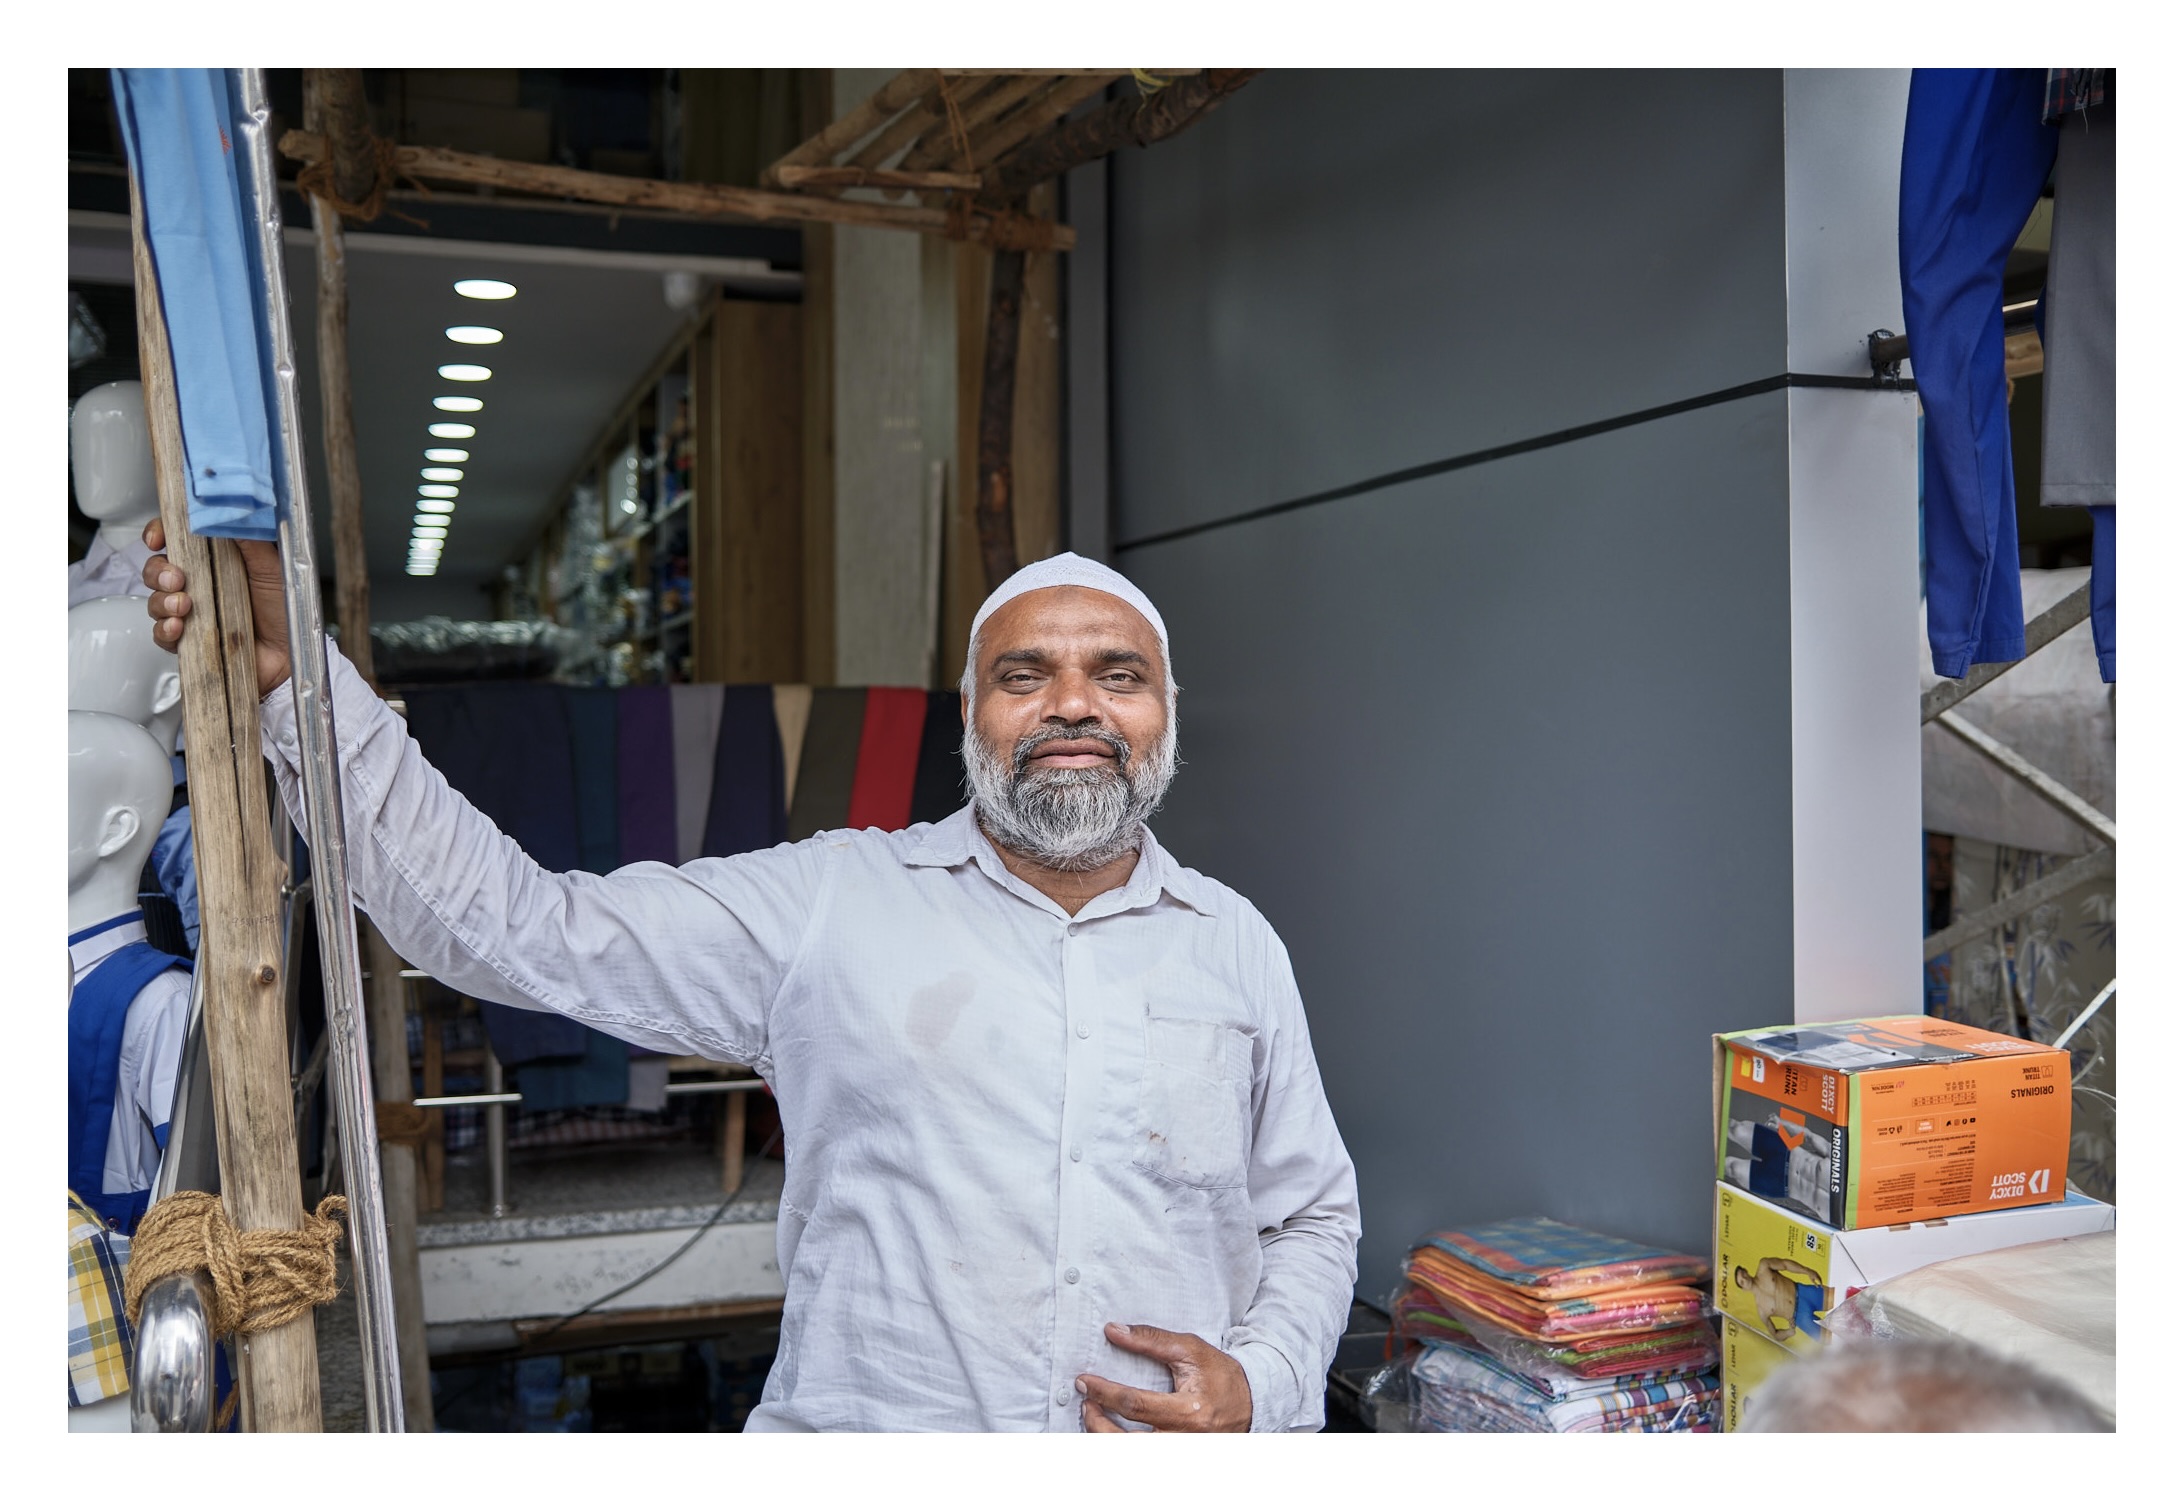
(1854, 587)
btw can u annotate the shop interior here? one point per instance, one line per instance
(1547, 588)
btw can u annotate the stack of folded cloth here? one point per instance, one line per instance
(1531, 1325)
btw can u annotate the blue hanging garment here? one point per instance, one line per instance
(1975, 156)
(177, 125)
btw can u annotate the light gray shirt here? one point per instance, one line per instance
(1004, 1126)
(151, 1055)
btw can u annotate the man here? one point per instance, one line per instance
(1057, 1151)
(1782, 1295)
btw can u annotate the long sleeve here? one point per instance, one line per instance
(680, 960)
(1304, 1192)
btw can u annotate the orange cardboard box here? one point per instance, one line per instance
(1891, 1119)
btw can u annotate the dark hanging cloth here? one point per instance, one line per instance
(828, 766)
(506, 747)
(645, 775)
(593, 722)
(746, 812)
(887, 758)
(1975, 156)
(598, 1076)
(521, 1037)
(938, 788)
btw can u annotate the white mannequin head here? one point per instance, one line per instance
(110, 455)
(115, 667)
(119, 789)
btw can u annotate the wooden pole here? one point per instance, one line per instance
(873, 177)
(704, 200)
(997, 419)
(238, 883)
(337, 118)
(334, 108)
(1035, 116)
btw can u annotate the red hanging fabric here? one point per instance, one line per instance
(887, 758)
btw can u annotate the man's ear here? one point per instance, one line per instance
(120, 828)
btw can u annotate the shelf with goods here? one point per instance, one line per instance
(675, 554)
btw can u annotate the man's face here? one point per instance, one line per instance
(1068, 745)
(1743, 1277)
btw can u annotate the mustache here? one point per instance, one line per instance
(1047, 734)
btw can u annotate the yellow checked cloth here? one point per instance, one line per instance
(101, 1345)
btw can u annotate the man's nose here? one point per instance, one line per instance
(1072, 701)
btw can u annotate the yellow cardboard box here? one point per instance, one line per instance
(1779, 1273)
(1891, 1119)
(1747, 1359)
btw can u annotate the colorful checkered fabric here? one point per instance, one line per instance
(101, 1346)
(1548, 1259)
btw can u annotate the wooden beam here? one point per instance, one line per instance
(997, 419)
(1126, 122)
(909, 127)
(706, 200)
(1037, 114)
(885, 102)
(939, 144)
(238, 884)
(836, 178)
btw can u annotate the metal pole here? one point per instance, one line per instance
(350, 1066)
(496, 1140)
(2086, 1015)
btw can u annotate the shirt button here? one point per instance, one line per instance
(1061, 1398)
(1083, 1030)
(1076, 1154)
(1070, 1275)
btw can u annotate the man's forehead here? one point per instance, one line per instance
(1067, 615)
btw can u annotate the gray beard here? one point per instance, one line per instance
(1071, 818)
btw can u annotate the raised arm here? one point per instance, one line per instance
(680, 960)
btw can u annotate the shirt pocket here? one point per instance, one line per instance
(1194, 1108)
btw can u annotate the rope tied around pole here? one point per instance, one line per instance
(317, 178)
(260, 1279)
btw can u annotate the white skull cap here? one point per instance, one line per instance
(1069, 569)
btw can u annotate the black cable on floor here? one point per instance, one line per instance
(636, 1282)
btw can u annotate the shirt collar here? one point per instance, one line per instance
(957, 839)
(89, 946)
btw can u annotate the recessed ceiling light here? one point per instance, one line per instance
(471, 333)
(438, 492)
(465, 372)
(442, 507)
(448, 455)
(485, 290)
(440, 476)
(452, 430)
(458, 404)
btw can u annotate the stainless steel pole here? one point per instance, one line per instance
(496, 1141)
(350, 1064)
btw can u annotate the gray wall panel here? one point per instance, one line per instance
(1503, 756)
(1340, 274)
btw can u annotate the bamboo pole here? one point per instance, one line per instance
(885, 102)
(909, 127)
(705, 200)
(238, 882)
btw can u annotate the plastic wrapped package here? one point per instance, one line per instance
(2050, 1305)
(1683, 1349)
(439, 650)
(1462, 1391)
(1386, 1394)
